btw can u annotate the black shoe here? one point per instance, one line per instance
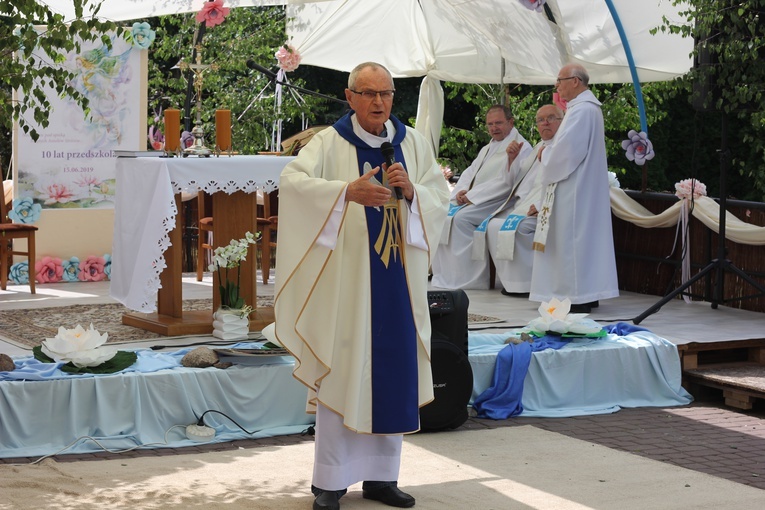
(583, 308)
(594, 304)
(514, 294)
(391, 495)
(327, 500)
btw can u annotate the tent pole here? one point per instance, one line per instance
(631, 63)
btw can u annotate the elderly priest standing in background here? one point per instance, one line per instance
(574, 244)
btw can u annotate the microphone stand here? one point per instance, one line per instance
(721, 263)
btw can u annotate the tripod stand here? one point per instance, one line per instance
(721, 263)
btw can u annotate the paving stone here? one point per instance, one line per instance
(702, 436)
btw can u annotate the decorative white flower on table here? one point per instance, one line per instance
(82, 347)
(613, 181)
(555, 318)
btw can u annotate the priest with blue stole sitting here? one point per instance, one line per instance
(473, 199)
(351, 287)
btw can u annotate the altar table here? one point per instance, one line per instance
(146, 254)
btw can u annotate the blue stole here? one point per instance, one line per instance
(394, 371)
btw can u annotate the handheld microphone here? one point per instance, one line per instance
(389, 153)
(257, 67)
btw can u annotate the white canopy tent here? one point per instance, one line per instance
(467, 41)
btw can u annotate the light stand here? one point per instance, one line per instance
(272, 78)
(279, 80)
(721, 263)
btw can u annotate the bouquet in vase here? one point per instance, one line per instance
(226, 260)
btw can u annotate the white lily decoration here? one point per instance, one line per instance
(82, 347)
(554, 317)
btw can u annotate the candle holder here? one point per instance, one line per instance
(228, 152)
(177, 153)
(223, 143)
(198, 148)
(172, 145)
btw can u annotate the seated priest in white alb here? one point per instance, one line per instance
(510, 231)
(453, 265)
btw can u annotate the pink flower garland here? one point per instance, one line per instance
(288, 57)
(688, 188)
(534, 5)
(212, 13)
(49, 270)
(559, 101)
(92, 270)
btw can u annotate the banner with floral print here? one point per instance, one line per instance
(72, 164)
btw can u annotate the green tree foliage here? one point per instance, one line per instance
(729, 40)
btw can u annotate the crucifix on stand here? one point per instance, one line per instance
(198, 68)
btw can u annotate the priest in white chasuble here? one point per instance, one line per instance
(351, 287)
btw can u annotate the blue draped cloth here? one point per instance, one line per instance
(503, 398)
(45, 411)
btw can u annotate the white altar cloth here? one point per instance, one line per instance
(145, 212)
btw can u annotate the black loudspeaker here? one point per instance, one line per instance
(448, 317)
(452, 374)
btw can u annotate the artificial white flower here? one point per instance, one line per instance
(555, 317)
(82, 347)
(613, 181)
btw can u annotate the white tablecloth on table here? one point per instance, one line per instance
(145, 212)
(42, 409)
(589, 375)
(53, 410)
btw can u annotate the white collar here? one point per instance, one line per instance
(369, 138)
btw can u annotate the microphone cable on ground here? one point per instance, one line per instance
(201, 421)
(310, 431)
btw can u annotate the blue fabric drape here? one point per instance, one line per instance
(503, 398)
